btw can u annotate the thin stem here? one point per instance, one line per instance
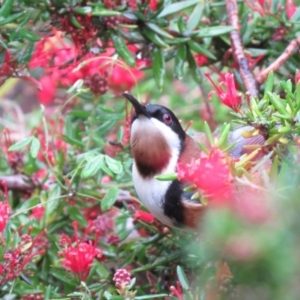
(276, 64)
(238, 50)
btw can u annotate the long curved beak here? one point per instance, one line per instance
(138, 107)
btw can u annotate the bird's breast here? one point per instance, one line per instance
(151, 193)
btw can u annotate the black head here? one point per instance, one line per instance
(159, 112)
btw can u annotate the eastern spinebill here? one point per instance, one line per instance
(158, 143)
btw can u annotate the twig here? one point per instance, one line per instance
(17, 182)
(238, 50)
(289, 51)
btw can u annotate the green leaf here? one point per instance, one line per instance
(72, 141)
(75, 22)
(83, 10)
(297, 97)
(122, 49)
(93, 166)
(35, 147)
(31, 202)
(177, 7)
(62, 276)
(158, 30)
(110, 198)
(155, 38)
(213, 31)
(76, 215)
(278, 103)
(105, 13)
(195, 70)
(3, 45)
(26, 53)
(114, 165)
(222, 140)
(182, 278)
(198, 48)
(155, 296)
(269, 83)
(21, 144)
(180, 60)
(158, 67)
(195, 18)
(52, 203)
(166, 177)
(28, 35)
(208, 133)
(10, 19)
(105, 127)
(6, 8)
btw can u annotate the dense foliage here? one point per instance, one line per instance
(71, 226)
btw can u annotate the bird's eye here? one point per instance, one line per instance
(167, 119)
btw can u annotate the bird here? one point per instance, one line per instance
(158, 143)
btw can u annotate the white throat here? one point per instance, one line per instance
(151, 191)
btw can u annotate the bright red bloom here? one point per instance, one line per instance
(229, 97)
(4, 208)
(37, 212)
(63, 68)
(177, 291)
(7, 65)
(124, 78)
(291, 8)
(143, 216)
(79, 257)
(48, 89)
(153, 4)
(297, 77)
(200, 59)
(210, 173)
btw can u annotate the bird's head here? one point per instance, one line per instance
(156, 137)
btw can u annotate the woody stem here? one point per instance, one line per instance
(238, 50)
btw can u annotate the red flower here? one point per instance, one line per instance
(153, 4)
(62, 68)
(16, 259)
(124, 78)
(177, 291)
(210, 174)
(200, 59)
(4, 208)
(297, 77)
(261, 6)
(79, 257)
(291, 8)
(48, 88)
(37, 212)
(5, 68)
(121, 278)
(229, 97)
(143, 216)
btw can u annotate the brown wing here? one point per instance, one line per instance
(236, 137)
(241, 142)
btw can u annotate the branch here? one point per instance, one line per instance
(289, 51)
(238, 50)
(16, 182)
